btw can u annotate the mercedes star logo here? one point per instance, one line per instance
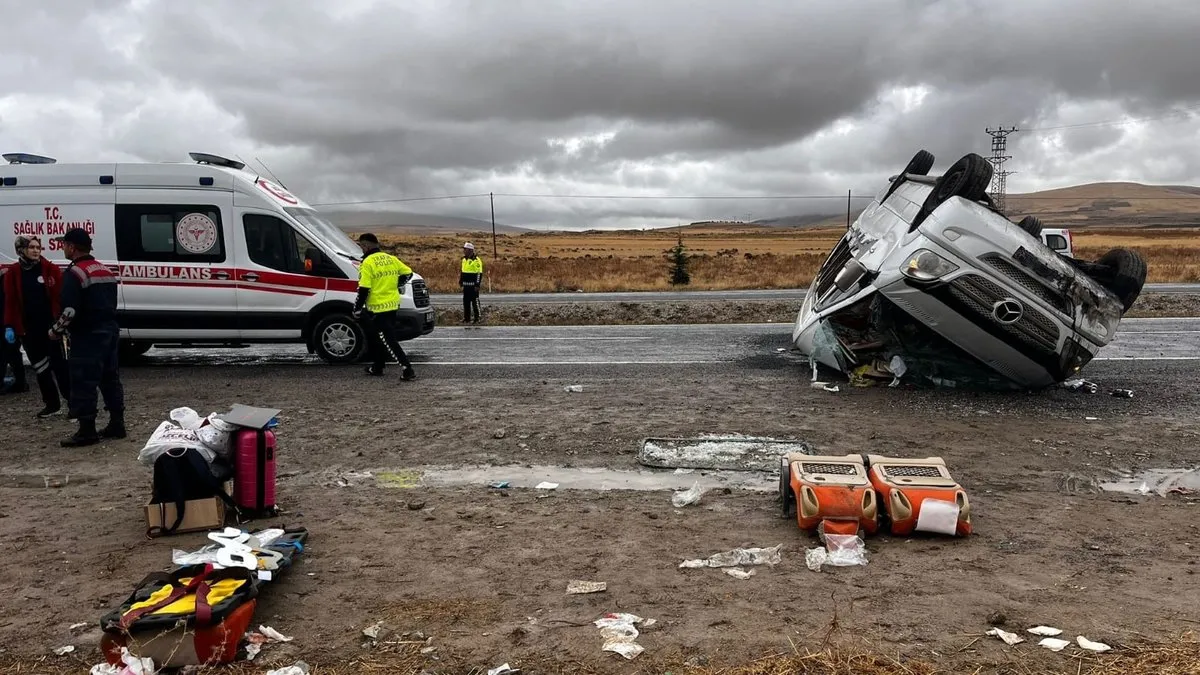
(1007, 311)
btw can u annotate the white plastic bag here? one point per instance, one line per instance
(684, 497)
(186, 418)
(168, 436)
(216, 434)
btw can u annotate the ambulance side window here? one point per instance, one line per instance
(170, 233)
(273, 243)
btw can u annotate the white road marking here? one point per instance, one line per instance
(560, 363)
(585, 339)
(1147, 358)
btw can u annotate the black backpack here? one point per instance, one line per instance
(182, 474)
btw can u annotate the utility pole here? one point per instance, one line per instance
(492, 201)
(999, 174)
(848, 193)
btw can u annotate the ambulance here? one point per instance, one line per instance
(208, 253)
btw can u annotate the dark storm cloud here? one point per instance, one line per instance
(371, 100)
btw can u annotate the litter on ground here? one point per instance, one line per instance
(1045, 631)
(619, 633)
(739, 557)
(582, 587)
(1053, 644)
(1009, 638)
(686, 497)
(1091, 646)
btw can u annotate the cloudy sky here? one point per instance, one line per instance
(361, 100)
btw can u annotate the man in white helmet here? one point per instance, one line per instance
(470, 280)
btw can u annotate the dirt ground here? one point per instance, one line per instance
(693, 311)
(481, 573)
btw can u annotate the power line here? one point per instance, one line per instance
(1114, 122)
(403, 199)
(1019, 197)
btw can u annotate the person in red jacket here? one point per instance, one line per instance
(32, 293)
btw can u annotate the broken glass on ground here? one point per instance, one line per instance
(1161, 482)
(730, 452)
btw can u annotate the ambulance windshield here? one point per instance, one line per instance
(331, 234)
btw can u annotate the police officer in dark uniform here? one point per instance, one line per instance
(89, 314)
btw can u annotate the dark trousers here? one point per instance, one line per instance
(470, 303)
(50, 366)
(93, 364)
(381, 333)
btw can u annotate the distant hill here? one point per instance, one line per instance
(1078, 206)
(402, 222)
(1111, 205)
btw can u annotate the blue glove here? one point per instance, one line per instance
(10, 336)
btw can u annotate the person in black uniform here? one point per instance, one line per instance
(89, 313)
(32, 288)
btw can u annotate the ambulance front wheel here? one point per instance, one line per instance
(339, 339)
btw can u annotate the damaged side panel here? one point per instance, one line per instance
(1097, 311)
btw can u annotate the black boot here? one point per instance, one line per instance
(116, 425)
(408, 374)
(85, 436)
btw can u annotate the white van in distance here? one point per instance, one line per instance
(207, 253)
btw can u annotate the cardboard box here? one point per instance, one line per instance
(199, 515)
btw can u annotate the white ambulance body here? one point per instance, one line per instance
(208, 254)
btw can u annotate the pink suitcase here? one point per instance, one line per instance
(254, 471)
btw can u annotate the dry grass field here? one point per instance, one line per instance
(721, 257)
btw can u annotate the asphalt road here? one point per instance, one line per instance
(1138, 340)
(699, 296)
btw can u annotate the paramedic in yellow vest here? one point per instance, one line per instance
(381, 281)
(471, 280)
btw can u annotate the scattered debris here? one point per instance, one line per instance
(1160, 482)
(1045, 631)
(1122, 393)
(79, 626)
(372, 631)
(841, 550)
(685, 497)
(504, 670)
(500, 433)
(1009, 638)
(264, 635)
(1080, 384)
(499, 485)
(1053, 644)
(130, 665)
(299, 668)
(545, 485)
(63, 651)
(619, 633)
(581, 587)
(574, 388)
(1091, 646)
(733, 452)
(739, 557)
(739, 573)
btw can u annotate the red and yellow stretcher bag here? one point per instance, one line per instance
(194, 615)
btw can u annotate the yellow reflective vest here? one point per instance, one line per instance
(380, 273)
